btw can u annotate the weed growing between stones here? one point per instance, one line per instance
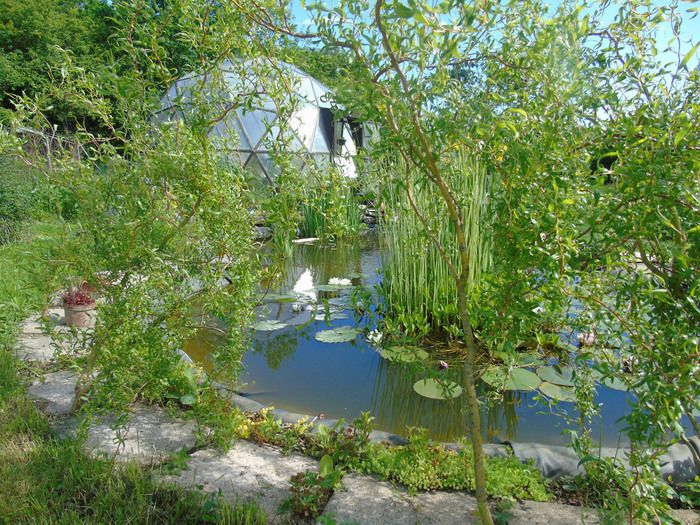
(311, 490)
(419, 465)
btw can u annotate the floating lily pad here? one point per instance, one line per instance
(614, 384)
(277, 298)
(332, 317)
(558, 392)
(269, 325)
(494, 376)
(552, 375)
(529, 360)
(341, 334)
(404, 354)
(437, 388)
(521, 379)
(331, 287)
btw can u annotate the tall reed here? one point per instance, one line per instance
(419, 291)
(330, 209)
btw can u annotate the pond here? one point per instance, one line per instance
(289, 367)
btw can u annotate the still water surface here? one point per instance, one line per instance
(290, 369)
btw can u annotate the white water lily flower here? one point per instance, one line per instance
(337, 281)
(375, 337)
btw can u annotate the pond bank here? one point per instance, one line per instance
(251, 471)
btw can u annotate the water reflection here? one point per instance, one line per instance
(397, 407)
(287, 367)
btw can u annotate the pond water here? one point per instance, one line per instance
(289, 368)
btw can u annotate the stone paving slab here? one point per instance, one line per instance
(367, 501)
(36, 348)
(35, 325)
(247, 471)
(150, 436)
(55, 394)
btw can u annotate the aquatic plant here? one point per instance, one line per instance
(330, 208)
(418, 288)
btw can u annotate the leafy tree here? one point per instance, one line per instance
(30, 33)
(325, 64)
(541, 85)
(162, 210)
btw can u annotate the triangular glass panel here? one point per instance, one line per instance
(304, 122)
(253, 123)
(255, 167)
(268, 165)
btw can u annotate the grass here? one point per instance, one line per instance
(419, 291)
(45, 480)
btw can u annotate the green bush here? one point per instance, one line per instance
(17, 200)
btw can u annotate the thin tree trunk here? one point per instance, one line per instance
(473, 409)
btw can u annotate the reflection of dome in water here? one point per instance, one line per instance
(316, 138)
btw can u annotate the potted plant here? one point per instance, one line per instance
(78, 305)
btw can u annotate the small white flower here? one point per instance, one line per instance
(374, 337)
(337, 281)
(586, 338)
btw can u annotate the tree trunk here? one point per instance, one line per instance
(473, 409)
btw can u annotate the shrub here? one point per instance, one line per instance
(16, 198)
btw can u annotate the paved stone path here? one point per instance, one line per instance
(261, 473)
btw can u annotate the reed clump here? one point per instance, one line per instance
(330, 207)
(419, 292)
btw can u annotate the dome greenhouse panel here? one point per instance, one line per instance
(246, 97)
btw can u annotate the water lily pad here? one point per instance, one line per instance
(437, 388)
(332, 317)
(614, 384)
(331, 287)
(342, 334)
(494, 376)
(552, 375)
(521, 379)
(269, 325)
(277, 298)
(530, 360)
(558, 392)
(404, 354)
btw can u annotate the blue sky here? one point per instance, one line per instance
(690, 30)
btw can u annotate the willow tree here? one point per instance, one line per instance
(162, 208)
(520, 88)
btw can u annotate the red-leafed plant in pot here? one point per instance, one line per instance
(78, 306)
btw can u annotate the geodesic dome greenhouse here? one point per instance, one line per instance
(247, 102)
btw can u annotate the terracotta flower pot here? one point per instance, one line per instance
(79, 315)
